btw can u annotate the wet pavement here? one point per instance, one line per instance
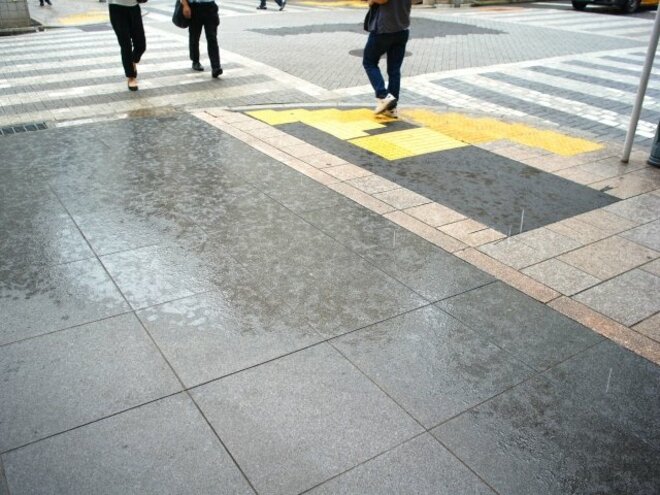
(305, 298)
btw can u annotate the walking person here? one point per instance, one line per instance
(203, 14)
(388, 34)
(280, 3)
(126, 20)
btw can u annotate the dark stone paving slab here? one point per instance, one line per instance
(338, 294)
(528, 329)
(38, 300)
(536, 439)
(162, 447)
(41, 232)
(421, 466)
(338, 419)
(423, 267)
(617, 384)
(165, 272)
(210, 335)
(489, 188)
(432, 365)
(69, 378)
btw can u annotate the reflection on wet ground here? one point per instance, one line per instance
(163, 285)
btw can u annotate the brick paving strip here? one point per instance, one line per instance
(567, 265)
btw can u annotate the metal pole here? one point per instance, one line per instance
(641, 91)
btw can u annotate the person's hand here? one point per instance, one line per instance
(186, 11)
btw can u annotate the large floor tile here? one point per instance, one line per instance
(162, 273)
(425, 268)
(39, 300)
(532, 332)
(647, 235)
(421, 466)
(164, 447)
(122, 229)
(532, 439)
(297, 421)
(41, 232)
(432, 365)
(338, 294)
(59, 381)
(617, 384)
(213, 334)
(628, 298)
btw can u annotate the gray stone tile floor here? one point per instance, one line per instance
(204, 316)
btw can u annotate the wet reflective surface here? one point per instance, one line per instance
(325, 347)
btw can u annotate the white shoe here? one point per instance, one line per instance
(391, 114)
(387, 103)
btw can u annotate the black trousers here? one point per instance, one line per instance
(127, 23)
(204, 15)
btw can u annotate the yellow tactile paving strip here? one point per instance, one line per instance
(444, 227)
(482, 130)
(408, 143)
(438, 132)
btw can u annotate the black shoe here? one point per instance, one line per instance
(282, 5)
(48, 2)
(41, 4)
(262, 7)
(197, 66)
(216, 72)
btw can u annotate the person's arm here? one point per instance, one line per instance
(186, 9)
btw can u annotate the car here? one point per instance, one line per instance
(627, 6)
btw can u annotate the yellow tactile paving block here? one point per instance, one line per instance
(482, 130)
(91, 17)
(342, 124)
(407, 143)
(339, 3)
(279, 117)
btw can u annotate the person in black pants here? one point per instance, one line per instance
(203, 14)
(281, 4)
(126, 20)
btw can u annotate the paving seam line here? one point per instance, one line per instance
(251, 132)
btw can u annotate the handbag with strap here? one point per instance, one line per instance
(177, 16)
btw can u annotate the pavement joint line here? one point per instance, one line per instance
(507, 274)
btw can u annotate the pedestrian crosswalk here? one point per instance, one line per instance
(571, 20)
(68, 74)
(162, 11)
(593, 92)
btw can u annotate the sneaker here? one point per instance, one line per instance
(392, 113)
(216, 72)
(262, 7)
(197, 66)
(387, 103)
(282, 5)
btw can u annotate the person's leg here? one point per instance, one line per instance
(137, 35)
(211, 23)
(120, 20)
(373, 50)
(194, 32)
(395, 55)
(262, 5)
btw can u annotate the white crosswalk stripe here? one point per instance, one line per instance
(163, 13)
(568, 20)
(563, 97)
(73, 74)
